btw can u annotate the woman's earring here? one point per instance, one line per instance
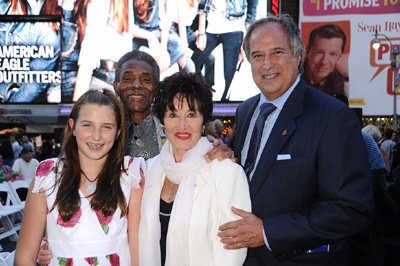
(73, 133)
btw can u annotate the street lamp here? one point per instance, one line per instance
(376, 43)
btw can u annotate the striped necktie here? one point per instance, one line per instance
(265, 110)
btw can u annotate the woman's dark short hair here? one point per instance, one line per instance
(191, 87)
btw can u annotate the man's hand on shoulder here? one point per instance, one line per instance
(219, 152)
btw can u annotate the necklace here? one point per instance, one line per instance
(137, 131)
(91, 188)
(170, 190)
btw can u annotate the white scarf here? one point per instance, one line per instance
(184, 174)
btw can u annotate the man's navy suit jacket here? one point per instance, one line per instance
(322, 194)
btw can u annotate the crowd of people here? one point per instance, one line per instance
(21, 157)
(138, 182)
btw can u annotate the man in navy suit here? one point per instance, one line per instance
(310, 183)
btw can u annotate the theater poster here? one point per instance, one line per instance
(29, 59)
(354, 67)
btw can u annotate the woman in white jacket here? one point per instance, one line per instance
(185, 200)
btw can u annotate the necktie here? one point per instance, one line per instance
(265, 110)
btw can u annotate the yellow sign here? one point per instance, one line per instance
(356, 101)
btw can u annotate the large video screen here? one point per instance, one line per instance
(29, 59)
(52, 56)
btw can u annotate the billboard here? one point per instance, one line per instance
(365, 75)
(50, 58)
(29, 58)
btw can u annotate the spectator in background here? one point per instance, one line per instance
(209, 131)
(26, 165)
(389, 143)
(26, 142)
(219, 131)
(231, 137)
(368, 246)
(46, 150)
(6, 150)
(6, 173)
(15, 146)
(376, 134)
(395, 166)
(326, 65)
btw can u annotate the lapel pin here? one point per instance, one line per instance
(284, 133)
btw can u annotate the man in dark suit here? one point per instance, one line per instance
(309, 181)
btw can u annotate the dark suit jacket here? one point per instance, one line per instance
(323, 194)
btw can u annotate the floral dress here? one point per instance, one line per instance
(88, 238)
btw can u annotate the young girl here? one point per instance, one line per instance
(82, 198)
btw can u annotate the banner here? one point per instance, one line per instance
(29, 57)
(354, 68)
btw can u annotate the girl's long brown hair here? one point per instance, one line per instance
(108, 195)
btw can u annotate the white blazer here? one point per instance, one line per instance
(219, 186)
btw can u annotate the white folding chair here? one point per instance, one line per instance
(15, 199)
(14, 186)
(9, 229)
(7, 258)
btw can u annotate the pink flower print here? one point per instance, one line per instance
(44, 168)
(65, 261)
(104, 221)
(114, 259)
(92, 261)
(123, 171)
(72, 222)
(130, 161)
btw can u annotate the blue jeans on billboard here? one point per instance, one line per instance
(231, 44)
(251, 11)
(209, 63)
